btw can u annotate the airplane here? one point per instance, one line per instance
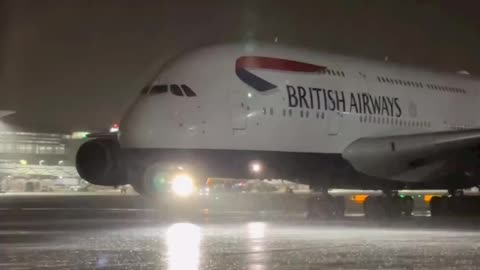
(254, 110)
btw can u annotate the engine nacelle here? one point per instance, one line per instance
(100, 162)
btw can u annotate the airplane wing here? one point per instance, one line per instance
(416, 157)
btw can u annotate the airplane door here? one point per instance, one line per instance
(239, 112)
(333, 119)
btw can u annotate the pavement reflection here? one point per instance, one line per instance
(183, 246)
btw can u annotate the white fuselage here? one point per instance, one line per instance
(348, 100)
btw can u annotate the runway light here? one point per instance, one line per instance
(182, 185)
(256, 167)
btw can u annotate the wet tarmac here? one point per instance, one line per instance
(100, 238)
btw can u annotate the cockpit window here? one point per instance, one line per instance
(175, 89)
(189, 92)
(159, 89)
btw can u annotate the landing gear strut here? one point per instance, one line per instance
(390, 205)
(324, 205)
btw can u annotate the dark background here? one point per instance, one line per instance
(68, 65)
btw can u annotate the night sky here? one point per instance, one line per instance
(69, 65)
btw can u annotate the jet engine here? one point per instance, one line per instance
(99, 161)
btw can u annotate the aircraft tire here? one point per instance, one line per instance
(320, 206)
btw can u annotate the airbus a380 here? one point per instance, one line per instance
(267, 111)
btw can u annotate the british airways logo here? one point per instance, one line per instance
(310, 97)
(259, 62)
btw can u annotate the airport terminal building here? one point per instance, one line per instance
(38, 161)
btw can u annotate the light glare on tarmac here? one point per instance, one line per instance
(223, 243)
(90, 235)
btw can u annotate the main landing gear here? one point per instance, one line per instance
(323, 205)
(390, 205)
(456, 204)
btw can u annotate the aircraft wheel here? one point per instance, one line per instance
(339, 210)
(320, 206)
(373, 207)
(393, 206)
(439, 206)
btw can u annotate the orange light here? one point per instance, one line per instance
(428, 198)
(359, 199)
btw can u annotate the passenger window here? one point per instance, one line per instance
(290, 112)
(301, 113)
(323, 115)
(175, 89)
(159, 89)
(271, 111)
(284, 112)
(264, 111)
(306, 114)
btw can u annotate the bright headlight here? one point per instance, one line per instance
(182, 185)
(256, 167)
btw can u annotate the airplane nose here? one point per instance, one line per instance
(138, 123)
